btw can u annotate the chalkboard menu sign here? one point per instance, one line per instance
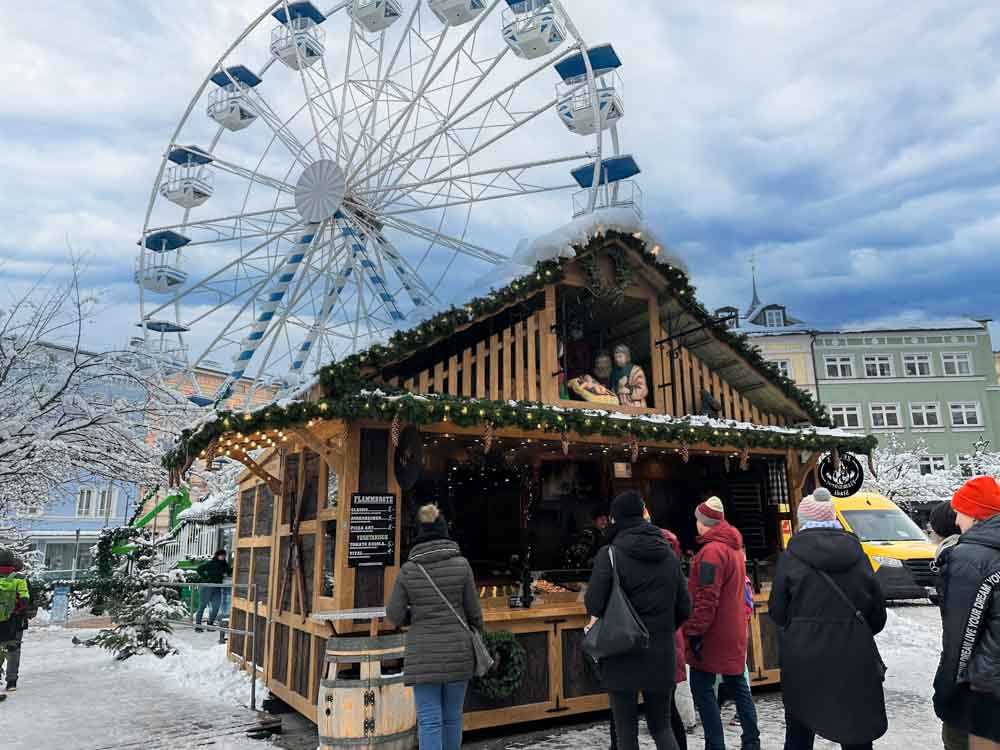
(372, 537)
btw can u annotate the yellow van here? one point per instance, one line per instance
(899, 551)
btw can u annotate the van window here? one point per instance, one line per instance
(884, 526)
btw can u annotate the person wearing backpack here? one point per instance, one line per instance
(15, 600)
(967, 684)
(828, 608)
(435, 593)
(653, 583)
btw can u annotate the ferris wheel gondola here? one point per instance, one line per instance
(385, 146)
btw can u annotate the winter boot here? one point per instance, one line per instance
(11, 686)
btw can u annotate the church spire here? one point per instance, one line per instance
(755, 302)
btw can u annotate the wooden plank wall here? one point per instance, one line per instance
(519, 362)
(505, 365)
(690, 377)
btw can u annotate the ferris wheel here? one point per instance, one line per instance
(339, 167)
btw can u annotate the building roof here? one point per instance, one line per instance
(903, 325)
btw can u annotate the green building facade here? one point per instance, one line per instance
(937, 383)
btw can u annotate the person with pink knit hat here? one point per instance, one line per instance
(828, 607)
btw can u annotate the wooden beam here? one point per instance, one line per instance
(257, 470)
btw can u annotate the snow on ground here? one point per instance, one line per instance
(81, 698)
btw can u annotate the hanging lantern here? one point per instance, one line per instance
(633, 446)
(488, 437)
(564, 439)
(685, 453)
(745, 458)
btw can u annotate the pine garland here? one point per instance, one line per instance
(511, 661)
(342, 380)
(525, 415)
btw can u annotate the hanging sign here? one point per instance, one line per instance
(371, 539)
(843, 480)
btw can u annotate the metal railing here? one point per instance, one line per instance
(224, 631)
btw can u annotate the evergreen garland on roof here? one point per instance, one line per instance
(341, 381)
(524, 415)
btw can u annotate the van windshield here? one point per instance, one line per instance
(884, 526)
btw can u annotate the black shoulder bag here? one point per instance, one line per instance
(620, 630)
(882, 668)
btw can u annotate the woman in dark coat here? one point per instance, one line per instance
(967, 685)
(652, 580)
(831, 677)
(439, 660)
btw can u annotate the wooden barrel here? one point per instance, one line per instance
(362, 700)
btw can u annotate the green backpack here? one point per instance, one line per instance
(9, 587)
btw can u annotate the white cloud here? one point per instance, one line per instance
(851, 146)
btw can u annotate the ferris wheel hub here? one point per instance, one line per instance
(320, 190)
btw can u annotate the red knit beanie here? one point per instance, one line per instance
(978, 498)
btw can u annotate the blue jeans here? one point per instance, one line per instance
(439, 714)
(707, 703)
(209, 598)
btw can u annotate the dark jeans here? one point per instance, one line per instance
(705, 700)
(212, 599)
(800, 737)
(13, 657)
(439, 714)
(625, 713)
(677, 724)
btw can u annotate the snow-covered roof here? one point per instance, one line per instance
(754, 331)
(914, 324)
(562, 243)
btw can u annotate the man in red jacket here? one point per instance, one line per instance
(717, 632)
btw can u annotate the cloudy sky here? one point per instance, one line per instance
(851, 146)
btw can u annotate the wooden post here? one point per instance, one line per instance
(550, 358)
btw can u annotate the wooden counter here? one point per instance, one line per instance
(558, 681)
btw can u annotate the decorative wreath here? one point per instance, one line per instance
(510, 659)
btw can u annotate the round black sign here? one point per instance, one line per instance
(845, 480)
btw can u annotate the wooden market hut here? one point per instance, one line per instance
(515, 462)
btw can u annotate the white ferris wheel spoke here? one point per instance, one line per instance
(423, 118)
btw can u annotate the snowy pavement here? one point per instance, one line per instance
(78, 698)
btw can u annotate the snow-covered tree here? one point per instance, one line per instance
(900, 478)
(66, 412)
(144, 607)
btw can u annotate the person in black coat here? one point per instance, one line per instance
(831, 671)
(967, 684)
(651, 578)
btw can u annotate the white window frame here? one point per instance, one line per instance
(92, 494)
(784, 366)
(883, 408)
(963, 405)
(111, 492)
(954, 358)
(778, 321)
(845, 410)
(934, 464)
(878, 360)
(919, 358)
(965, 464)
(838, 360)
(923, 408)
